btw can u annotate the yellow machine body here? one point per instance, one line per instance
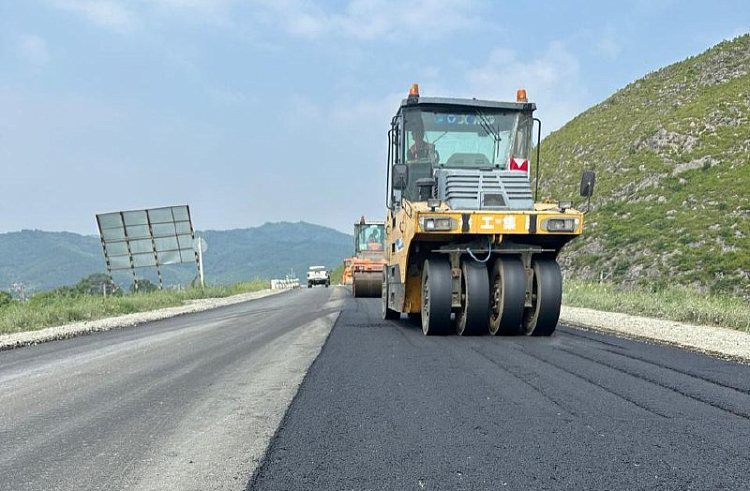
(466, 245)
(407, 234)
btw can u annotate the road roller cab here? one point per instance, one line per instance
(467, 246)
(366, 265)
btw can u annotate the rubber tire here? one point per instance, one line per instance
(541, 319)
(436, 296)
(309, 285)
(509, 277)
(472, 317)
(387, 313)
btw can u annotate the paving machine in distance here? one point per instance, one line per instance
(368, 260)
(467, 246)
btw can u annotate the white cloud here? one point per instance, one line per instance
(230, 97)
(364, 20)
(370, 115)
(369, 20)
(552, 81)
(33, 48)
(653, 6)
(217, 12)
(106, 14)
(196, 5)
(608, 43)
(499, 56)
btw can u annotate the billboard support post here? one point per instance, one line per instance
(200, 246)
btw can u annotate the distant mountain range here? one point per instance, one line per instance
(45, 260)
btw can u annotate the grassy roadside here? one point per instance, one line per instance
(56, 310)
(337, 274)
(676, 303)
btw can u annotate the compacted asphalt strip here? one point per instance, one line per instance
(386, 408)
(187, 403)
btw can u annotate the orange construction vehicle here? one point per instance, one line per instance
(366, 266)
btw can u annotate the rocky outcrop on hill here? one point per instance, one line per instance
(672, 155)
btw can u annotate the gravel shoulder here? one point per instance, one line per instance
(716, 341)
(19, 339)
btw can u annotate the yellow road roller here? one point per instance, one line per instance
(469, 248)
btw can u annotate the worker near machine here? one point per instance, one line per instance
(422, 149)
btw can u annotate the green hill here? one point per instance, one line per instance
(46, 260)
(272, 250)
(672, 156)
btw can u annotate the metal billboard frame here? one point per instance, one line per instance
(145, 238)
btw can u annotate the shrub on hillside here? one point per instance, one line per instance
(142, 285)
(95, 284)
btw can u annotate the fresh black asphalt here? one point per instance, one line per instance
(386, 408)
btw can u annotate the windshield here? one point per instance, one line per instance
(370, 237)
(466, 138)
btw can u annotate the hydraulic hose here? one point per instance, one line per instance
(489, 252)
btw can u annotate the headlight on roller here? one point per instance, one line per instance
(437, 224)
(560, 224)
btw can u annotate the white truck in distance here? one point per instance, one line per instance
(318, 275)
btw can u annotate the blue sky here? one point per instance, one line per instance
(267, 110)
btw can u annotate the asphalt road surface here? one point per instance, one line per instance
(180, 404)
(385, 408)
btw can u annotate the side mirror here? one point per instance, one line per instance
(400, 176)
(587, 183)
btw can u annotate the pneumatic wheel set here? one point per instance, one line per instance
(492, 301)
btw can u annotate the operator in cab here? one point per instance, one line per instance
(421, 149)
(374, 241)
